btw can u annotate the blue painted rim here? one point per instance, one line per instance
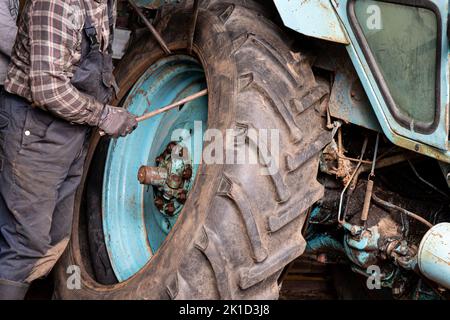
(134, 228)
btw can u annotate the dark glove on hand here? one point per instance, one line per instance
(117, 122)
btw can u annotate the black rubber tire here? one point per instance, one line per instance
(238, 229)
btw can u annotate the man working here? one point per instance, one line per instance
(58, 86)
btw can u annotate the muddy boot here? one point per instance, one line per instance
(10, 290)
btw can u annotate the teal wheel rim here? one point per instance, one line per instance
(134, 228)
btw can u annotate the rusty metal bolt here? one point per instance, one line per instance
(187, 173)
(141, 175)
(182, 198)
(170, 209)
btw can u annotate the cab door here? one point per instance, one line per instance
(400, 50)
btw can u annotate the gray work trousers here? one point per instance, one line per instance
(41, 163)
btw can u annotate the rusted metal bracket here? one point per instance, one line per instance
(370, 184)
(150, 27)
(193, 25)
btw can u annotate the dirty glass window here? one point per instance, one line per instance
(403, 41)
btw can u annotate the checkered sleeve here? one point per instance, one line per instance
(51, 31)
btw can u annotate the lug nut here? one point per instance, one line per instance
(182, 198)
(170, 209)
(187, 173)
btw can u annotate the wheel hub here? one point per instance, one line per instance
(171, 178)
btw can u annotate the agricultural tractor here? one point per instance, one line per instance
(354, 98)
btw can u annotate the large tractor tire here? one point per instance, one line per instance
(238, 228)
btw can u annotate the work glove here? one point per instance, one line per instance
(117, 122)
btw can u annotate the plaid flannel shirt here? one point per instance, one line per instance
(46, 53)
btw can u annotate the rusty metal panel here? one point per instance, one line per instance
(348, 100)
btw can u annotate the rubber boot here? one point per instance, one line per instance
(10, 290)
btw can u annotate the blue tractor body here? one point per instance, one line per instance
(352, 24)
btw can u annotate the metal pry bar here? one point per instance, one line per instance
(150, 27)
(173, 105)
(169, 107)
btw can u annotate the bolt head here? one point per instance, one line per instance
(170, 209)
(187, 173)
(174, 181)
(142, 174)
(182, 198)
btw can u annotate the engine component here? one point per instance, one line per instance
(434, 254)
(380, 233)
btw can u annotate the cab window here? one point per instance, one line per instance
(402, 43)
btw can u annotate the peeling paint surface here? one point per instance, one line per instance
(312, 18)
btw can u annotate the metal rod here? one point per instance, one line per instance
(393, 207)
(383, 163)
(367, 198)
(355, 160)
(387, 162)
(341, 200)
(167, 108)
(152, 29)
(173, 105)
(425, 181)
(372, 173)
(193, 26)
